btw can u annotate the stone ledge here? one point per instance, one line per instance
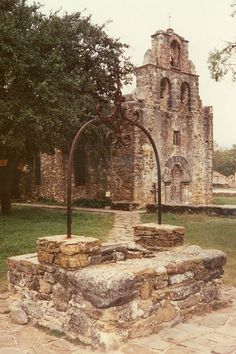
(211, 210)
(67, 253)
(75, 244)
(80, 251)
(157, 237)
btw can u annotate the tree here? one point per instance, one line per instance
(54, 70)
(224, 160)
(223, 61)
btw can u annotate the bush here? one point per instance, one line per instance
(92, 203)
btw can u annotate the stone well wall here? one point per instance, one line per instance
(131, 292)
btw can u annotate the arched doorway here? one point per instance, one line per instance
(177, 180)
(176, 184)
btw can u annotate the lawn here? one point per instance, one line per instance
(207, 232)
(224, 200)
(19, 232)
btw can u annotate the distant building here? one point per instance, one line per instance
(220, 180)
(168, 102)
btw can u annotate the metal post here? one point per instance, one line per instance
(70, 167)
(146, 132)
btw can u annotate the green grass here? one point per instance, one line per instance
(207, 232)
(224, 200)
(19, 232)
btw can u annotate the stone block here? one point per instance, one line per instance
(180, 278)
(49, 278)
(61, 297)
(96, 259)
(156, 237)
(190, 301)
(45, 257)
(146, 290)
(133, 254)
(74, 245)
(44, 287)
(108, 258)
(116, 290)
(210, 291)
(27, 263)
(80, 244)
(182, 293)
(67, 253)
(73, 261)
(17, 314)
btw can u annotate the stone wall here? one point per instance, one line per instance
(130, 292)
(54, 178)
(169, 106)
(211, 210)
(163, 116)
(221, 181)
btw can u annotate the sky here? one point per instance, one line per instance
(206, 24)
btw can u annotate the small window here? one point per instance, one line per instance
(185, 96)
(176, 137)
(165, 93)
(175, 54)
(80, 166)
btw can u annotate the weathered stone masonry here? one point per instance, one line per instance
(167, 99)
(102, 294)
(168, 102)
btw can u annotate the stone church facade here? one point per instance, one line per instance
(167, 99)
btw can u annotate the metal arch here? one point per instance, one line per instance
(69, 172)
(158, 165)
(71, 162)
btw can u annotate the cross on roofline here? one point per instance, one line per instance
(169, 18)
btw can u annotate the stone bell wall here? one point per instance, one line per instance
(166, 111)
(129, 291)
(168, 102)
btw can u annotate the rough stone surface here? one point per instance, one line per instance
(67, 253)
(17, 314)
(158, 237)
(153, 282)
(104, 304)
(4, 307)
(167, 102)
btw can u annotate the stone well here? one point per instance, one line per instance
(102, 294)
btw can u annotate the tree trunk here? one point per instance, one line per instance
(6, 182)
(6, 204)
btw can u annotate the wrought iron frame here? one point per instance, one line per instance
(118, 122)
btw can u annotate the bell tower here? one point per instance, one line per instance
(168, 87)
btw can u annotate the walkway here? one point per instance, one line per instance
(122, 230)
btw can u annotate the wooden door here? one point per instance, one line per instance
(176, 185)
